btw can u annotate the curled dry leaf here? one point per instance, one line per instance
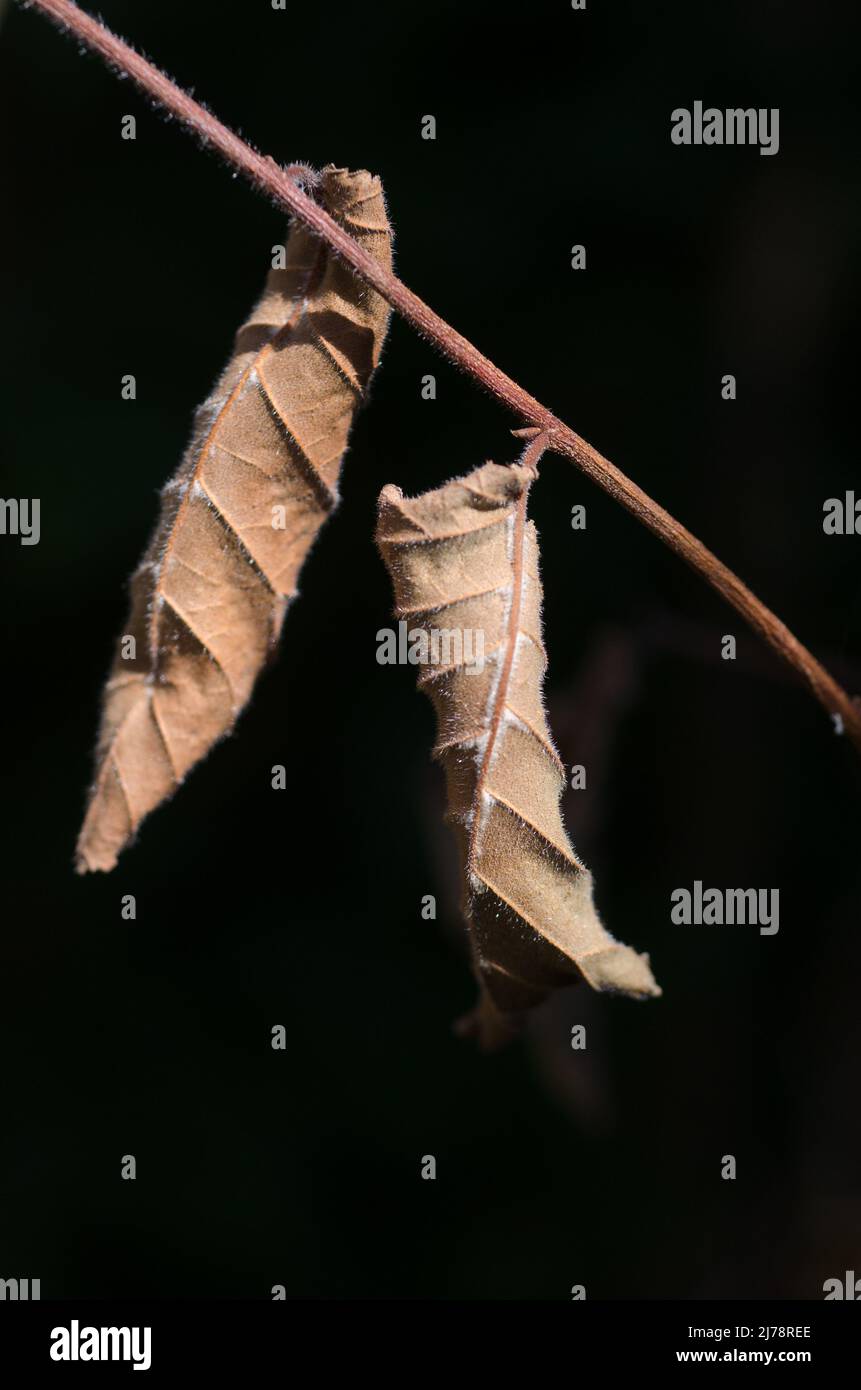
(257, 481)
(464, 564)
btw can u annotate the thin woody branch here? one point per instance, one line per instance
(282, 187)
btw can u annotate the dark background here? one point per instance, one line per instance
(302, 907)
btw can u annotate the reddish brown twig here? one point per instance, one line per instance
(281, 186)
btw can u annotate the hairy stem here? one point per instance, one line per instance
(282, 187)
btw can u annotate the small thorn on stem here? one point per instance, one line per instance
(539, 441)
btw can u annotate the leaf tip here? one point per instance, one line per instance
(618, 969)
(89, 861)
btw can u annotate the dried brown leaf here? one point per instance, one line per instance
(464, 561)
(258, 480)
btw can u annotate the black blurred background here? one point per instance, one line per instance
(257, 907)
